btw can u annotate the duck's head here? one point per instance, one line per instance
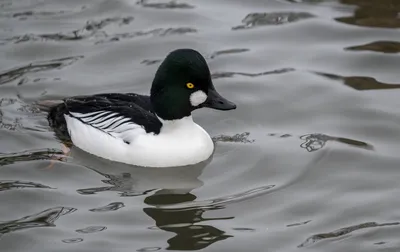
(182, 84)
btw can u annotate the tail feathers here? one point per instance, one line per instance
(57, 110)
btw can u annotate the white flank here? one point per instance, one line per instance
(180, 142)
(197, 98)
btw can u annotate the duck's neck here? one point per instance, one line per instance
(177, 124)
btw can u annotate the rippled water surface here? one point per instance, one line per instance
(309, 161)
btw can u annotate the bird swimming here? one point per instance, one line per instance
(152, 131)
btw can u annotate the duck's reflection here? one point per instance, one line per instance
(168, 189)
(185, 223)
(129, 180)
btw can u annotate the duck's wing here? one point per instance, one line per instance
(143, 101)
(113, 114)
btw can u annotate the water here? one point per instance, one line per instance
(308, 162)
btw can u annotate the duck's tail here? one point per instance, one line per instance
(56, 110)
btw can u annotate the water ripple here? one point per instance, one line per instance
(92, 229)
(39, 66)
(73, 240)
(44, 154)
(110, 207)
(34, 14)
(212, 56)
(119, 183)
(253, 20)
(243, 229)
(150, 62)
(343, 231)
(9, 107)
(161, 32)
(167, 5)
(237, 138)
(45, 218)
(15, 184)
(298, 224)
(228, 51)
(220, 202)
(314, 142)
(98, 25)
(218, 75)
(148, 249)
(378, 46)
(90, 29)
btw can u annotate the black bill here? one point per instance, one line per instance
(216, 101)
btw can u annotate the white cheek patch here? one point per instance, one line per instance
(197, 98)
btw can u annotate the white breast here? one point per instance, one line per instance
(180, 142)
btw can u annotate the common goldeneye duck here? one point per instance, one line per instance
(153, 131)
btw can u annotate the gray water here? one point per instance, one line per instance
(309, 161)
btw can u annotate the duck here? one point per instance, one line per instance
(155, 130)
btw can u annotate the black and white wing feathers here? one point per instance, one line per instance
(113, 114)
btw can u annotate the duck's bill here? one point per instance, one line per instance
(216, 101)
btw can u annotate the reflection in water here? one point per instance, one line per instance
(274, 18)
(39, 66)
(373, 13)
(218, 75)
(314, 142)
(123, 183)
(343, 231)
(360, 82)
(42, 219)
(168, 203)
(378, 46)
(220, 202)
(15, 184)
(181, 214)
(185, 223)
(131, 180)
(45, 154)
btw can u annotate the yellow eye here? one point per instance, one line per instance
(189, 85)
